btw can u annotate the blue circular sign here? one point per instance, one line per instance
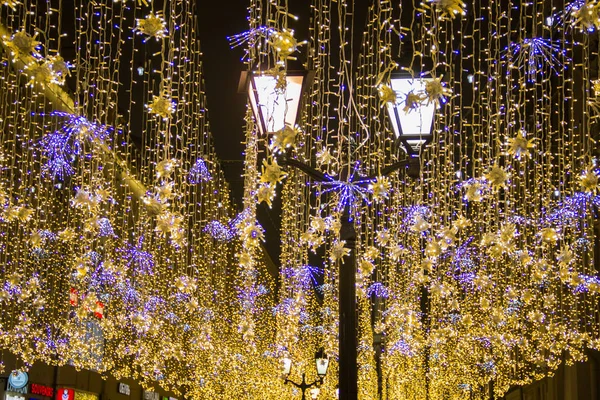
(18, 379)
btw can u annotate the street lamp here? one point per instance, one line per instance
(275, 104)
(275, 108)
(411, 115)
(321, 363)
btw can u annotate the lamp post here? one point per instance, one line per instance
(321, 363)
(273, 110)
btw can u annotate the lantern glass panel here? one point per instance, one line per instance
(273, 108)
(413, 125)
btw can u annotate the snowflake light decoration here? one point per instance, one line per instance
(153, 25)
(351, 192)
(162, 106)
(304, 276)
(23, 44)
(449, 8)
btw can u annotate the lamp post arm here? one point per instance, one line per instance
(317, 176)
(304, 385)
(411, 163)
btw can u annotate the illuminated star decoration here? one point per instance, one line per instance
(536, 55)
(199, 172)
(61, 147)
(153, 25)
(23, 44)
(53, 69)
(519, 146)
(584, 15)
(351, 191)
(450, 8)
(416, 215)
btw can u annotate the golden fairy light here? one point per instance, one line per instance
(451, 257)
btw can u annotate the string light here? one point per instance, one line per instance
(450, 265)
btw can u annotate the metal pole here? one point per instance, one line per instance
(348, 371)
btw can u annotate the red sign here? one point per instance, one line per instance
(65, 394)
(42, 390)
(73, 297)
(99, 310)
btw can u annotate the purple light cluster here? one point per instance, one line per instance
(141, 261)
(251, 37)
(403, 347)
(572, 209)
(378, 289)
(105, 228)
(199, 172)
(219, 231)
(412, 212)
(62, 147)
(304, 276)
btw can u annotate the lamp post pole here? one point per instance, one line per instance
(348, 353)
(348, 368)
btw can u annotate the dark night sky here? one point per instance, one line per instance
(222, 68)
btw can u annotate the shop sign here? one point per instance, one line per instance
(148, 395)
(12, 396)
(124, 389)
(17, 382)
(41, 390)
(65, 394)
